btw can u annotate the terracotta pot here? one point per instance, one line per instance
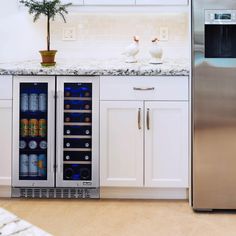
(48, 57)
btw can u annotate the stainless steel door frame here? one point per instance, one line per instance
(214, 119)
(95, 182)
(16, 182)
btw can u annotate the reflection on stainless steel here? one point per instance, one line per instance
(214, 119)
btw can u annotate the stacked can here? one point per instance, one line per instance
(24, 102)
(42, 128)
(24, 165)
(42, 102)
(42, 165)
(33, 128)
(24, 127)
(34, 102)
(33, 165)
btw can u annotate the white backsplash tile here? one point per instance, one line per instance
(99, 36)
(106, 36)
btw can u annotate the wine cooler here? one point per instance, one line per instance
(56, 137)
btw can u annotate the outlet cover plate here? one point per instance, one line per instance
(69, 34)
(164, 33)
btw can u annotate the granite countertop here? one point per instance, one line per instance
(99, 67)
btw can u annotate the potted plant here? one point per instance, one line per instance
(49, 8)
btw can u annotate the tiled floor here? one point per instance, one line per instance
(121, 218)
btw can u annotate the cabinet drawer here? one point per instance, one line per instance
(144, 88)
(5, 87)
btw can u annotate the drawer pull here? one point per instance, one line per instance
(143, 88)
(139, 118)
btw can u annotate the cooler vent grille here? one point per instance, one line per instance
(74, 193)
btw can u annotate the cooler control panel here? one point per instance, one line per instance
(220, 17)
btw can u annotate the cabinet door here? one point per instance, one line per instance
(162, 2)
(6, 87)
(166, 144)
(78, 131)
(5, 141)
(121, 137)
(109, 2)
(33, 131)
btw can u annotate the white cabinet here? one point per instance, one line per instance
(121, 142)
(5, 87)
(5, 129)
(144, 143)
(166, 144)
(5, 141)
(109, 2)
(161, 2)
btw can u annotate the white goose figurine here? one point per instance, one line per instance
(156, 52)
(132, 50)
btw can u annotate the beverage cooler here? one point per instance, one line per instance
(56, 138)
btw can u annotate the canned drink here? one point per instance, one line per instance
(24, 127)
(42, 102)
(33, 102)
(42, 165)
(43, 145)
(33, 165)
(33, 144)
(24, 102)
(42, 128)
(33, 127)
(23, 144)
(24, 165)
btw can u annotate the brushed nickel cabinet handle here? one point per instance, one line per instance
(139, 118)
(148, 119)
(143, 88)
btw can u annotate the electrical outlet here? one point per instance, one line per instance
(69, 34)
(164, 33)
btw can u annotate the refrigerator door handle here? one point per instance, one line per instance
(51, 131)
(59, 131)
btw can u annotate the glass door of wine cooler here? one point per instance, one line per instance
(77, 132)
(33, 125)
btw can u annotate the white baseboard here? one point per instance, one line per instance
(5, 191)
(144, 193)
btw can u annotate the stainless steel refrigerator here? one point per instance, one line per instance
(214, 104)
(55, 137)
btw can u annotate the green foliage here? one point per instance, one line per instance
(47, 8)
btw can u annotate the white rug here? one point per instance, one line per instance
(12, 225)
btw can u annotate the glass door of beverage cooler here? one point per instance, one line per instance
(77, 132)
(33, 139)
